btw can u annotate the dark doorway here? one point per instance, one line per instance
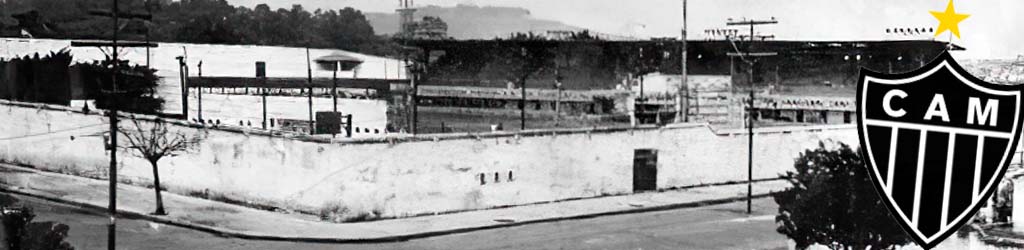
(645, 170)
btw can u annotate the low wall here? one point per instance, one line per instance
(410, 175)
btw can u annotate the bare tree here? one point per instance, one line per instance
(153, 142)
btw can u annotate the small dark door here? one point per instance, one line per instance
(645, 170)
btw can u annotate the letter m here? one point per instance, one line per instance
(976, 114)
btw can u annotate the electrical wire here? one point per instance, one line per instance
(51, 132)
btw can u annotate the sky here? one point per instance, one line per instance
(994, 29)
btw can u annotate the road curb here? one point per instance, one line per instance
(224, 232)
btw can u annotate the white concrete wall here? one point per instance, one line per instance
(411, 176)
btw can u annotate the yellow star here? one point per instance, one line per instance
(949, 20)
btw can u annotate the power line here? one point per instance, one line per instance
(750, 113)
(51, 132)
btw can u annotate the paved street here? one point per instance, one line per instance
(237, 220)
(714, 227)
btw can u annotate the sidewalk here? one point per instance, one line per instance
(1000, 234)
(243, 222)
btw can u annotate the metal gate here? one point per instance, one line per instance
(645, 170)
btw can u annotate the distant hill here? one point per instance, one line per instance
(469, 21)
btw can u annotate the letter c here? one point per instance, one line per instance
(887, 103)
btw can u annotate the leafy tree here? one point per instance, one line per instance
(526, 60)
(23, 234)
(525, 55)
(203, 21)
(136, 87)
(38, 79)
(346, 29)
(153, 142)
(46, 235)
(530, 59)
(833, 203)
(46, 79)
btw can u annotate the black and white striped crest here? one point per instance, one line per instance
(937, 141)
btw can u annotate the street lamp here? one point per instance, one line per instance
(334, 62)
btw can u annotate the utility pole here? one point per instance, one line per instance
(412, 72)
(419, 71)
(112, 176)
(683, 96)
(522, 87)
(334, 87)
(417, 79)
(183, 75)
(183, 61)
(641, 75)
(558, 93)
(263, 80)
(522, 107)
(261, 74)
(112, 95)
(309, 80)
(199, 93)
(406, 32)
(412, 95)
(747, 56)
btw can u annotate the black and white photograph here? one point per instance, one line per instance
(511, 124)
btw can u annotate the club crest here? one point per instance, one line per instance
(937, 142)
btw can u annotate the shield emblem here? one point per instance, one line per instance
(937, 142)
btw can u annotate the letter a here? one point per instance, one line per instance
(937, 108)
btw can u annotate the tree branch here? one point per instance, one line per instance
(156, 141)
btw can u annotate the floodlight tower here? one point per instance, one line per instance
(406, 20)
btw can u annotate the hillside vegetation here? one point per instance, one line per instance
(198, 21)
